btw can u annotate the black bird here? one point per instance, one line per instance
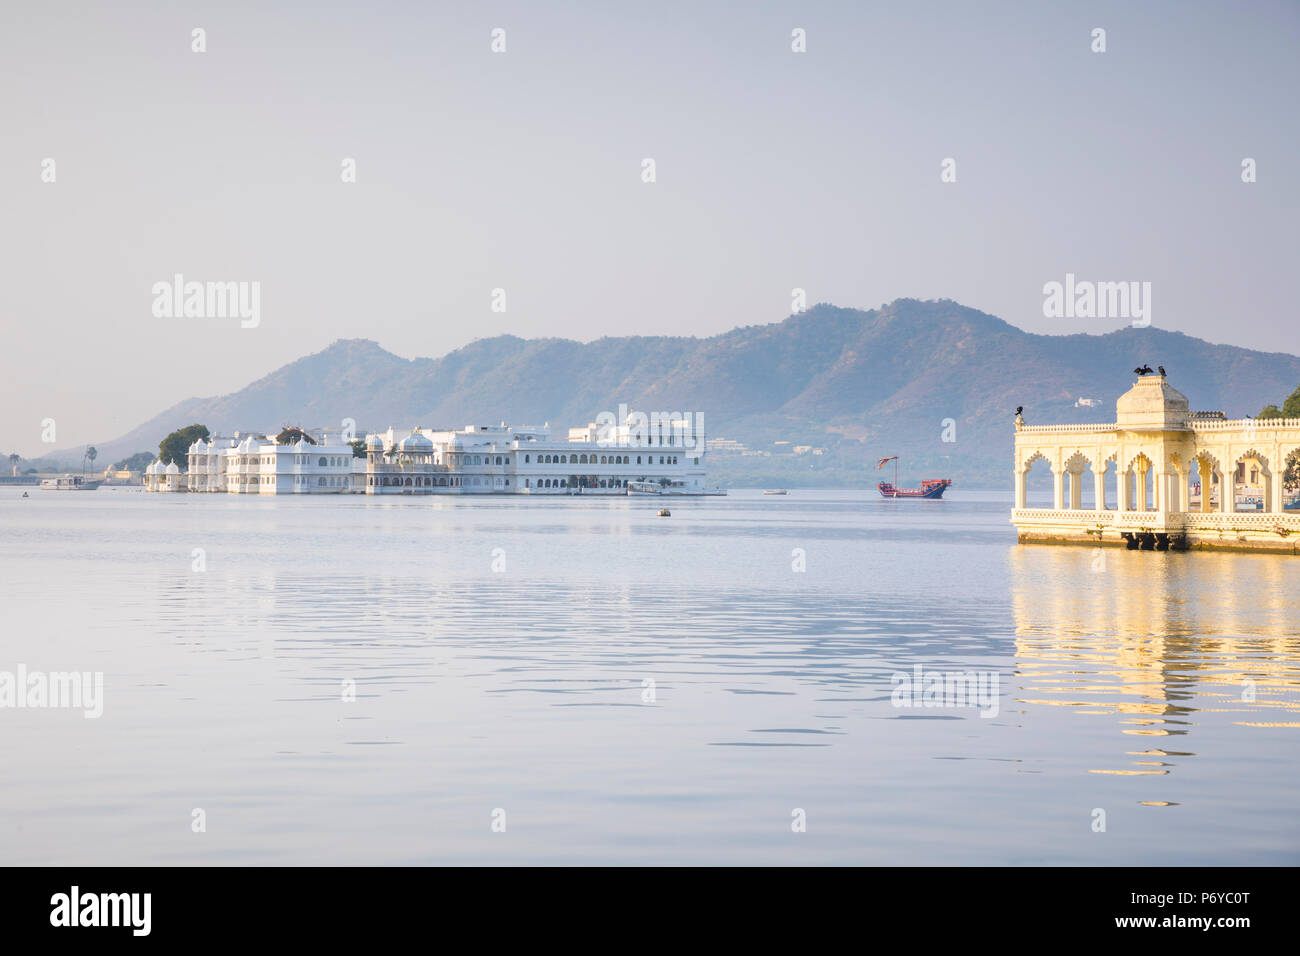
(1019, 409)
(1161, 368)
(1146, 370)
(1138, 370)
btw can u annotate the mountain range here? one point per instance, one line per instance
(851, 385)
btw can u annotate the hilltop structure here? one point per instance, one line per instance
(1162, 477)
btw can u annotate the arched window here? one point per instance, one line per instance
(321, 463)
(525, 459)
(564, 459)
(638, 459)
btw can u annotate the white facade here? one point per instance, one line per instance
(258, 466)
(504, 459)
(478, 459)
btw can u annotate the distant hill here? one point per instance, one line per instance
(860, 385)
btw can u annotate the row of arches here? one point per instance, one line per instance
(600, 459)
(588, 482)
(1199, 484)
(418, 481)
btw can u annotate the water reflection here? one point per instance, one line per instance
(1164, 644)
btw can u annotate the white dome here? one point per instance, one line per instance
(374, 441)
(153, 468)
(300, 445)
(199, 447)
(415, 442)
(173, 468)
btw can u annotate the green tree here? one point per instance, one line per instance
(1291, 407)
(290, 434)
(1270, 411)
(90, 454)
(14, 459)
(175, 447)
(358, 448)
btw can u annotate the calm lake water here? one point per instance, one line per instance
(635, 690)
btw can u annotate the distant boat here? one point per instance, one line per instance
(776, 491)
(644, 488)
(70, 483)
(930, 487)
(664, 513)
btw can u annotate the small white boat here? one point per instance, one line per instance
(70, 483)
(776, 491)
(664, 513)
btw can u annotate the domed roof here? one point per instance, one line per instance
(415, 441)
(173, 468)
(154, 468)
(300, 445)
(199, 447)
(373, 440)
(1152, 403)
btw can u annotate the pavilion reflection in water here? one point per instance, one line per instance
(1164, 642)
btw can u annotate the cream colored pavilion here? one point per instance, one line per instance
(1155, 474)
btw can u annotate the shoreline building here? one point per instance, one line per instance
(1162, 476)
(257, 465)
(596, 459)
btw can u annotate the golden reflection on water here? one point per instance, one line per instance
(1160, 642)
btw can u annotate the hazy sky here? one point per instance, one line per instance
(522, 170)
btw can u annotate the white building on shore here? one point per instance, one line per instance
(527, 460)
(666, 458)
(257, 465)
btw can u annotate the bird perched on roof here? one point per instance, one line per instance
(1142, 370)
(1019, 409)
(1161, 369)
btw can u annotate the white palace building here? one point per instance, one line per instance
(1162, 476)
(597, 459)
